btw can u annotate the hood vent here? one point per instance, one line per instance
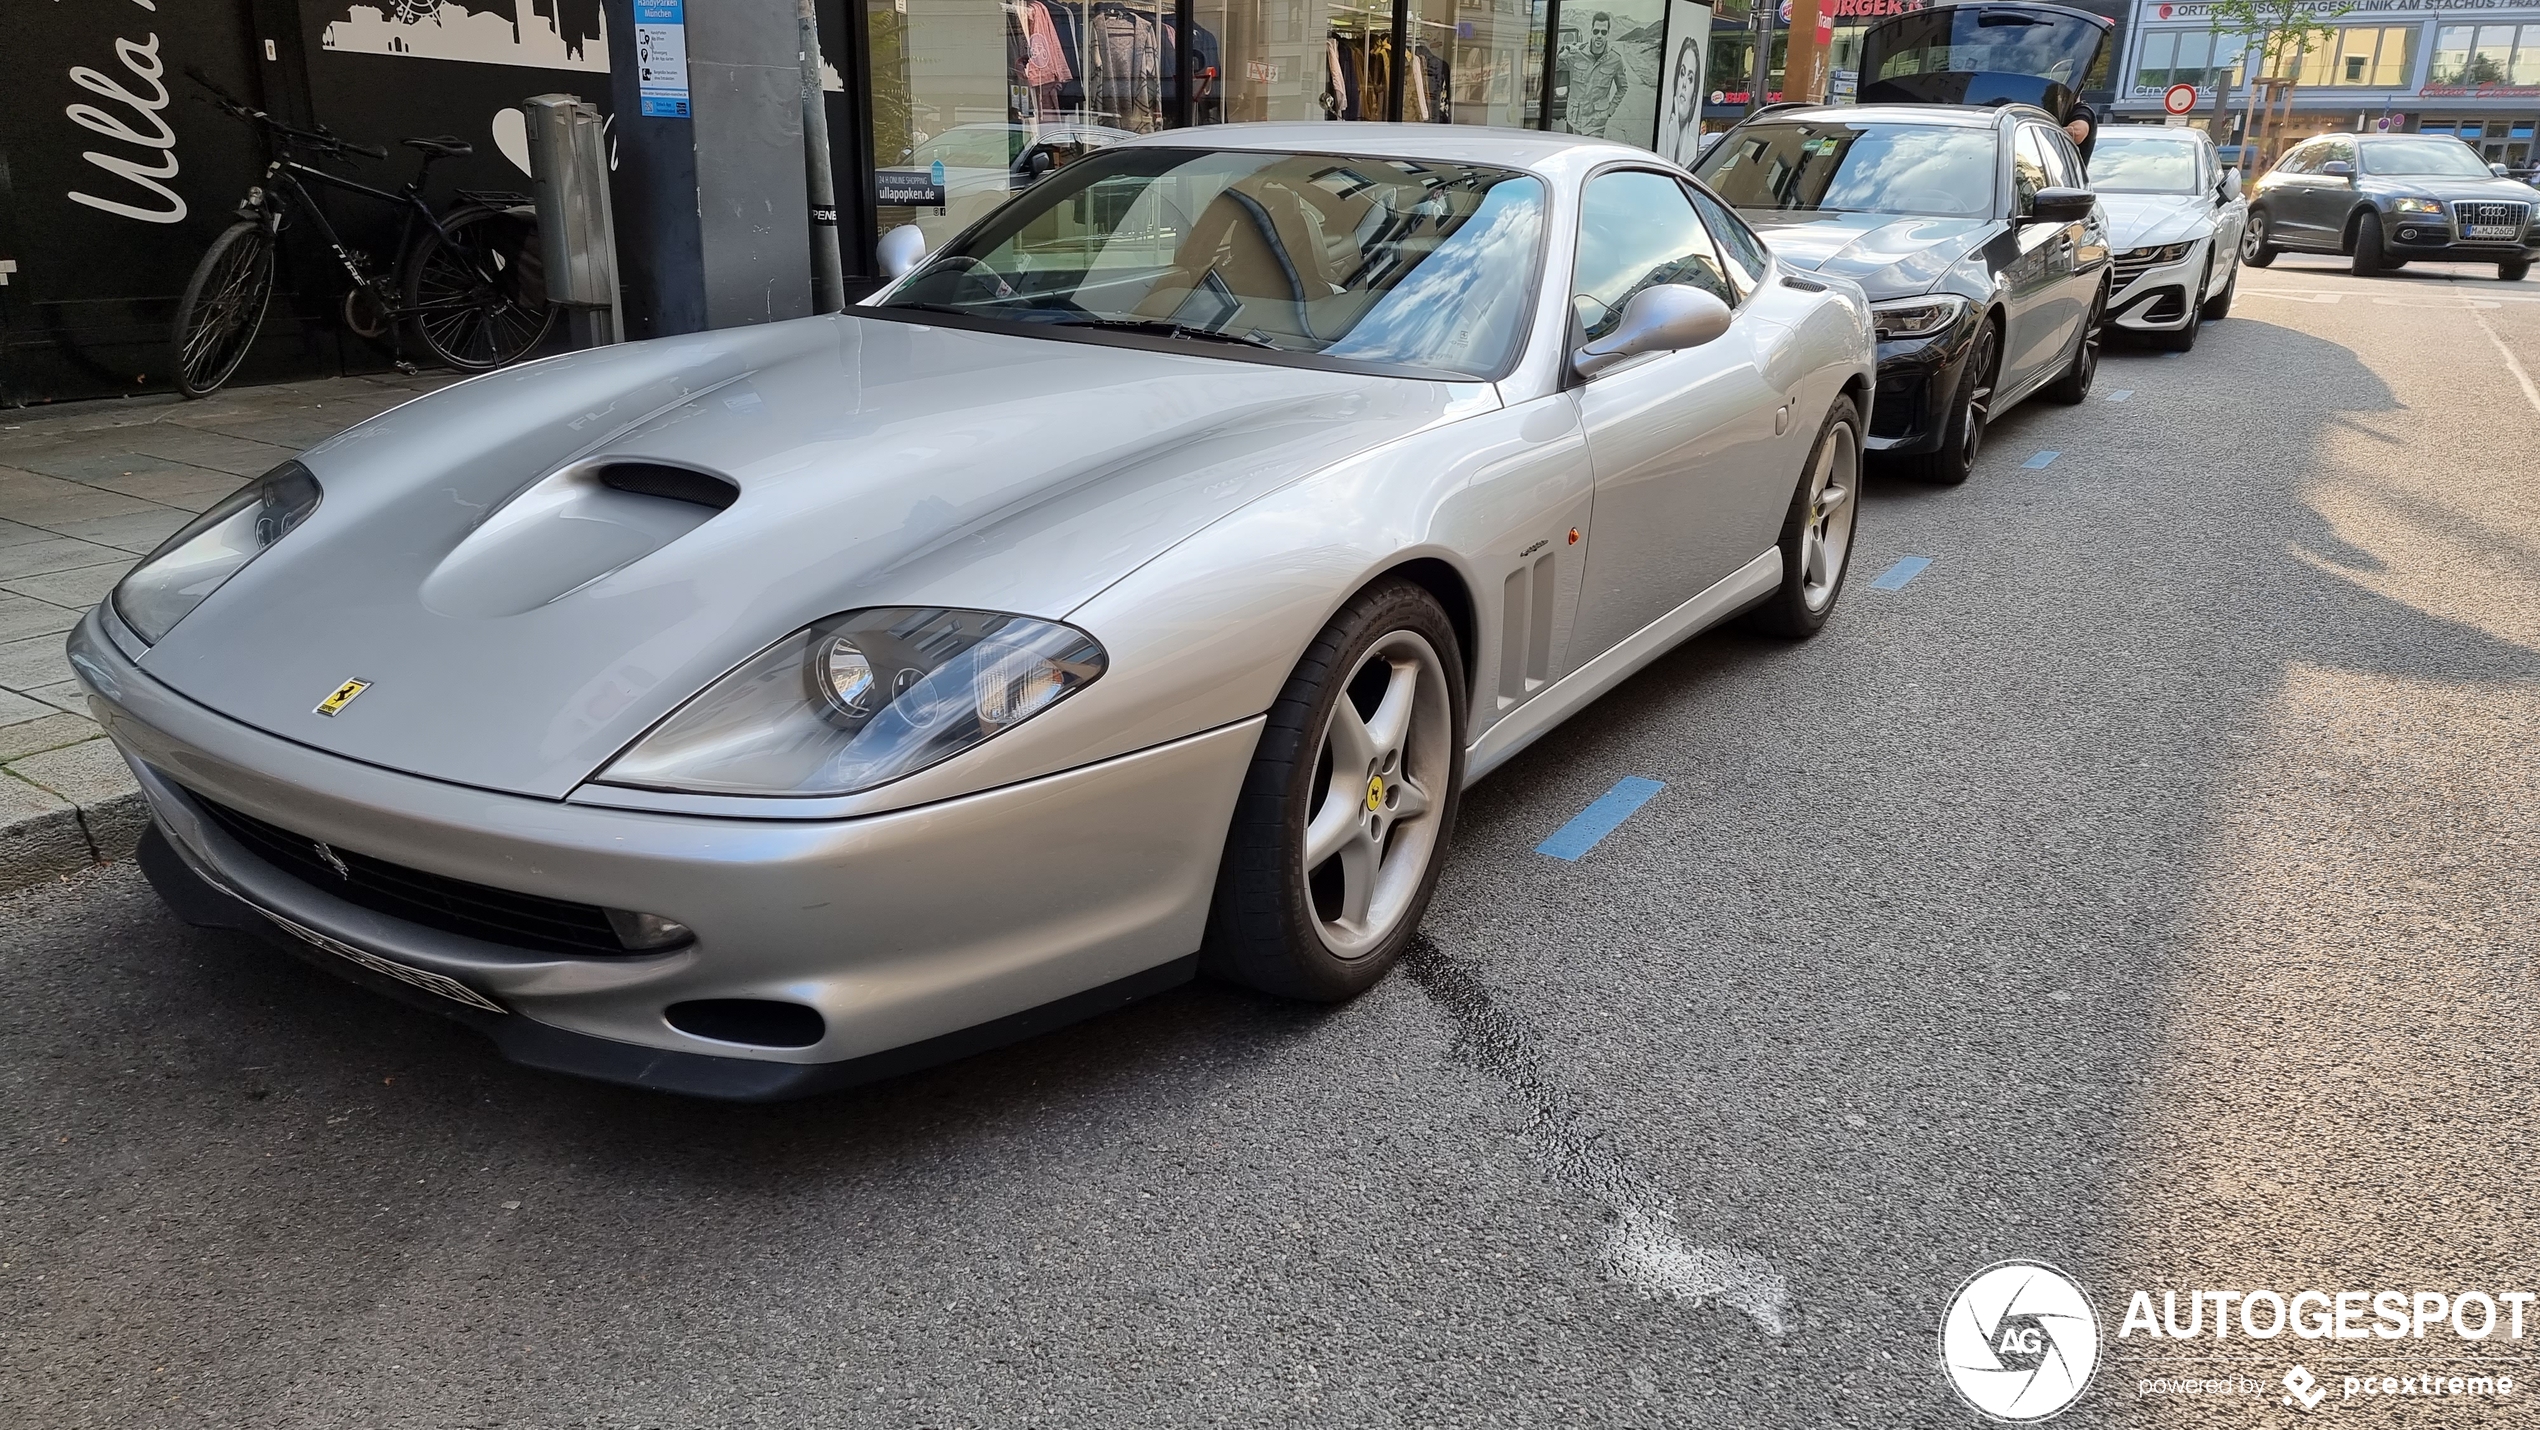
(570, 530)
(657, 479)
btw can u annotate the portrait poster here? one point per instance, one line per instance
(1681, 86)
(1605, 80)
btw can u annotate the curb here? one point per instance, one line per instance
(64, 809)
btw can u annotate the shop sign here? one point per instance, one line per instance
(661, 58)
(909, 188)
(2479, 91)
(2344, 10)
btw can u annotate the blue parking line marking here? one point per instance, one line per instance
(2038, 462)
(1600, 819)
(1895, 577)
(2121, 394)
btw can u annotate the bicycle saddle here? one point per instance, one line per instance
(446, 146)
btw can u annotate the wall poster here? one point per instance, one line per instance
(1688, 62)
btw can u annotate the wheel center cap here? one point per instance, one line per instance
(1375, 792)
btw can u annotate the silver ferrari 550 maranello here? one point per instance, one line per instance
(1127, 590)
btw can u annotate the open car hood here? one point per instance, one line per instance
(1983, 54)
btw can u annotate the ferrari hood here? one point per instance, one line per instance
(1889, 255)
(532, 567)
(2150, 220)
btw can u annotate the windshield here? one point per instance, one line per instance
(2447, 158)
(2125, 164)
(1855, 168)
(1394, 262)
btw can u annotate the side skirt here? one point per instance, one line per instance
(1522, 726)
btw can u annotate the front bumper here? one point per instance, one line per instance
(916, 934)
(1917, 384)
(2434, 238)
(2161, 298)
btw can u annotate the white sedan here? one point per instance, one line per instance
(2175, 215)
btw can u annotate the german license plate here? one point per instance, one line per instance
(423, 978)
(2493, 230)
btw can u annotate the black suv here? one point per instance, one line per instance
(2388, 199)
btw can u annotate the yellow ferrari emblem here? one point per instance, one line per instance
(1375, 792)
(343, 696)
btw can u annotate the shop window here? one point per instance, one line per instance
(974, 99)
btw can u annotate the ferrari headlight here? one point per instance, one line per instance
(861, 699)
(2166, 253)
(1915, 317)
(2416, 206)
(188, 567)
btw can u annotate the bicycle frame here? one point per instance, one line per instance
(283, 175)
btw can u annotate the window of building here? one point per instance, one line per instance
(2198, 57)
(2467, 56)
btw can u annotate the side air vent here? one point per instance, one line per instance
(656, 479)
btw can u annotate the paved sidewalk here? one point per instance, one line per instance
(86, 489)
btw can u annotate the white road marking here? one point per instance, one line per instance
(2513, 365)
(1645, 1249)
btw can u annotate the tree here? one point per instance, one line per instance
(2281, 32)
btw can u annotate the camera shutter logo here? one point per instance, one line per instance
(2019, 1341)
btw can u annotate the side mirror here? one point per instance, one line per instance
(2061, 205)
(1660, 319)
(900, 250)
(2230, 184)
(2337, 169)
(2500, 171)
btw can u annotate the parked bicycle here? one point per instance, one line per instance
(466, 284)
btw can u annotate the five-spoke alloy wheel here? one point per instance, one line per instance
(1335, 844)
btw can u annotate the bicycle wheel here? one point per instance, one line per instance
(476, 294)
(223, 306)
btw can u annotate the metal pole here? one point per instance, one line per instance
(828, 276)
(1761, 13)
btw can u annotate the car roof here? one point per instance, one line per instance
(1446, 143)
(1956, 116)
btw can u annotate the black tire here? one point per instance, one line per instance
(1816, 537)
(223, 308)
(1267, 926)
(2073, 388)
(2254, 248)
(2180, 340)
(2515, 271)
(2218, 307)
(2367, 259)
(1962, 436)
(482, 291)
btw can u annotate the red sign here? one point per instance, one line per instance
(2179, 98)
(1863, 9)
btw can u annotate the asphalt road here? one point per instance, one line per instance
(2144, 887)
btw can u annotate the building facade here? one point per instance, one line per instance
(119, 176)
(2469, 68)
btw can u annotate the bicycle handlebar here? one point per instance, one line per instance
(318, 138)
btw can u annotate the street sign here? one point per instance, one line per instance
(2179, 98)
(661, 58)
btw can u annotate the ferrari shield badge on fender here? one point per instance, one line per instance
(342, 696)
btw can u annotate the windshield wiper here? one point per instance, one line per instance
(1166, 328)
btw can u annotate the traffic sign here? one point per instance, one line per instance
(2179, 98)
